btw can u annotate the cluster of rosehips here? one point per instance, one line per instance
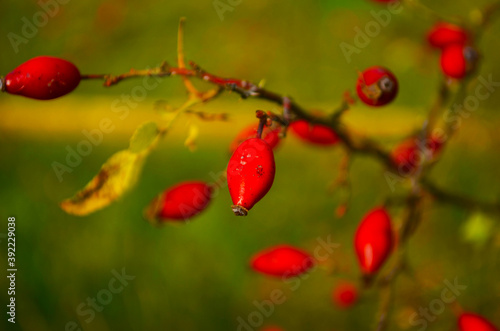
(46, 78)
(458, 56)
(251, 168)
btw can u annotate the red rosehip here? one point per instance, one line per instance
(316, 134)
(474, 322)
(377, 86)
(43, 78)
(445, 34)
(250, 174)
(373, 240)
(409, 154)
(345, 295)
(282, 261)
(457, 60)
(180, 202)
(271, 136)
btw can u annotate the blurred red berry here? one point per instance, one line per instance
(474, 322)
(250, 174)
(377, 86)
(373, 240)
(43, 78)
(345, 294)
(180, 202)
(271, 136)
(282, 261)
(316, 134)
(410, 153)
(445, 34)
(457, 60)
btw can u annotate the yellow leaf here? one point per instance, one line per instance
(115, 178)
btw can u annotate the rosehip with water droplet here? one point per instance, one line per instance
(444, 34)
(180, 202)
(373, 240)
(250, 174)
(43, 78)
(282, 261)
(377, 86)
(316, 134)
(271, 136)
(473, 322)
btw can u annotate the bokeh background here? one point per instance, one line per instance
(195, 276)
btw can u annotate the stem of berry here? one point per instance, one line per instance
(287, 115)
(262, 116)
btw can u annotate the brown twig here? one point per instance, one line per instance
(356, 143)
(447, 197)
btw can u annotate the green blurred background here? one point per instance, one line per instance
(196, 276)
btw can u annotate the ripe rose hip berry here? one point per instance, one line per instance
(180, 202)
(345, 294)
(457, 60)
(373, 240)
(410, 153)
(250, 174)
(445, 34)
(43, 78)
(282, 261)
(377, 86)
(271, 136)
(315, 134)
(474, 322)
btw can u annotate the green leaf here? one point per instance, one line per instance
(477, 230)
(144, 137)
